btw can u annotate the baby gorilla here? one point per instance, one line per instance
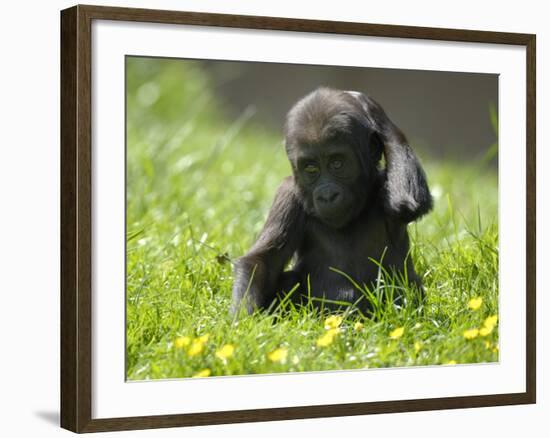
(339, 211)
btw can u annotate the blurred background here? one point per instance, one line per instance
(445, 113)
(448, 115)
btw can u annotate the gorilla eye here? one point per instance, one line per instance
(311, 169)
(336, 164)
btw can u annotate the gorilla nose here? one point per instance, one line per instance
(328, 196)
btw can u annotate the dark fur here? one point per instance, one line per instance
(345, 216)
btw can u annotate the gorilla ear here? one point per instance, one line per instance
(406, 193)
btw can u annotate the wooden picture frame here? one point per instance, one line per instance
(76, 217)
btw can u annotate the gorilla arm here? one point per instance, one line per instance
(257, 273)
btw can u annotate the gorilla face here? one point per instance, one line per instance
(333, 154)
(331, 180)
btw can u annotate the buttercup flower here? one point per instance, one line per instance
(485, 331)
(203, 373)
(333, 322)
(325, 341)
(491, 322)
(328, 337)
(471, 333)
(225, 352)
(203, 338)
(397, 333)
(278, 355)
(197, 346)
(451, 362)
(182, 341)
(417, 346)
(358, 326)
(488, 325)
(475, 303)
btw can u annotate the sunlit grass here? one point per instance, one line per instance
(198, 190)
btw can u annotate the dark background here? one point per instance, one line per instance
(444, 114)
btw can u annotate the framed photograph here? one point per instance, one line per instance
(267, 218)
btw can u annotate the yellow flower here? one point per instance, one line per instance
(471, 333)
(358, 326)
(484, 331)
(451, 362)
(417, 346)
(495, 348)
(490, 322)
(225, 352)
(195, 348)
(325, 340)
(328, 337)
(203, 338)
(203, 373)
(397, 333)
(487, 345)
(488, 325)
(475, 303)
(278, 355)
(333, 322)
(182, 341)
(197, 345)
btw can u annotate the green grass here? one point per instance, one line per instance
(198, 189)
